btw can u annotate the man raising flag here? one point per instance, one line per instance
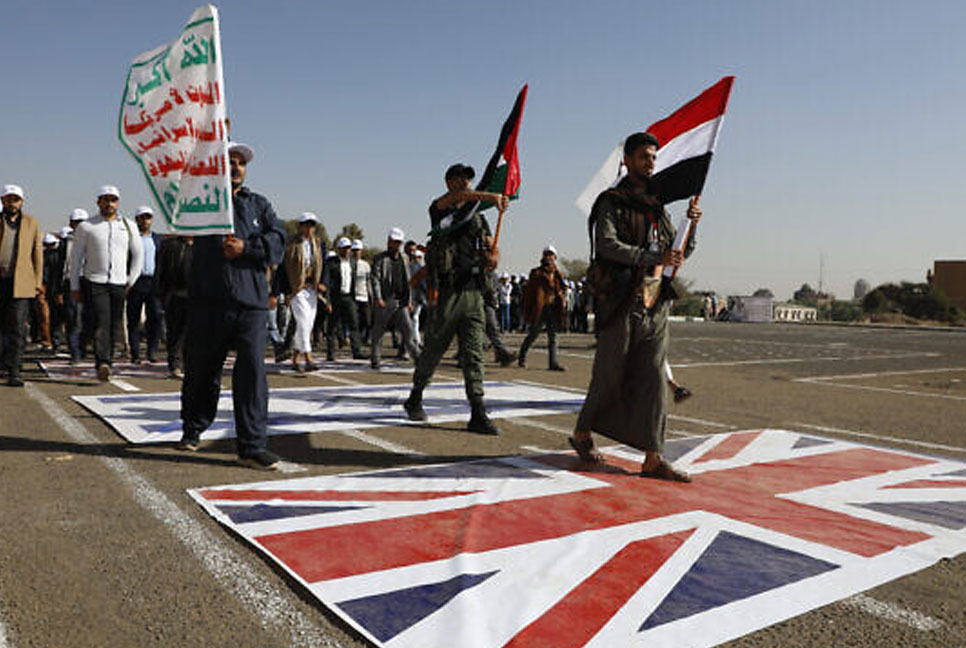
(632, 240)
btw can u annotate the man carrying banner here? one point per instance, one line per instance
(228, 296)
(457, 260)
(631, 240)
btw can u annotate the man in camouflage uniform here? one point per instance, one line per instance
(459, 254)
(632, 239)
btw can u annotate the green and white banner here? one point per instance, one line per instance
(172, 120)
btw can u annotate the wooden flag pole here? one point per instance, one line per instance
(684, 241)
(499, 224)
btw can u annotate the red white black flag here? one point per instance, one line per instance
(687, 137)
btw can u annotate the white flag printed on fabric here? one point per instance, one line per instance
(688, 138)
(172, 120)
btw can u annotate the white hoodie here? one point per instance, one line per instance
(100, 252)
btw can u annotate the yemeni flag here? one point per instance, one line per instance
(502, 173)
(688, 138)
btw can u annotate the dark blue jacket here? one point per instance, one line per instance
(241, 282)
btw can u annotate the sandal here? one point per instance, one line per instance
(586, 451)
(681, 393)
(666, 472)
(311, 366)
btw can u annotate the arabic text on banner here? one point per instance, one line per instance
(172, 120)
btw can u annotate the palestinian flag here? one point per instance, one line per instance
(502, 173)
(688, 138)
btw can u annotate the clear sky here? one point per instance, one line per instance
(843, 138)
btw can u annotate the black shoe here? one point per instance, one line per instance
(682, 393)
(360, 356)
(329, 357)
(414, 409)
(260, 459)
(189, 442)
(375, 366)
(508, 359)
(557, 367)
(480, 423)
(14, 381)
(104, 372)
(282, 356)
(522, 361)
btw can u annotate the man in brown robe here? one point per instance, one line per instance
(632, 239)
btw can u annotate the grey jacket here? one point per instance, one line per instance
(385, 285)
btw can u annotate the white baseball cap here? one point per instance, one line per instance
(12, 190)
(330, 254)
(356, 244)
(247, 152)
(396, 234)
(109, 190)
(551, 249)
(50, 239)
(144, 209)
(418, 254)
(78, 215)
(343, 242)
(66, 231)
(308, 217)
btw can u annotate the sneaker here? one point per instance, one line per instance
(414, 409)
(480, 423)
(189, 443)
(260, 459)
(103, 372)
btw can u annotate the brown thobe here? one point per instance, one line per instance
(627, 398)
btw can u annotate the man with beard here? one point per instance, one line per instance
(21, 277)
(544, 305)
(228, 303)
(392, 297)
(632, 239)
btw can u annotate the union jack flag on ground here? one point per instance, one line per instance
(536, 551)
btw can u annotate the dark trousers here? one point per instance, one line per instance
(549, 320)
(108, 310)
(176, 323)
(212, 331)
(365, 320)
(144, 295)
(72, 326)
(493, 333)
(87, 323)
(344, 315)
(13, 320)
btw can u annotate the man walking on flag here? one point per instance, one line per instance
(631, 240)
(457, 261)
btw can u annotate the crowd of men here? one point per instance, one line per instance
(214, 294)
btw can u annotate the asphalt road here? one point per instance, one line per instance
(101, 546)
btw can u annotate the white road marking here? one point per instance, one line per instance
(893, 612)
(880, 437)
(337, 379)
(230, 568)
(831, 381)
(380, 442)
(124, 385)
(735, 363)
(290, 467)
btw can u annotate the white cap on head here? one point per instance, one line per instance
(12, 190)
(50, 239)
(247, 152)
(396, 234)
(418, 254)
(66, 231)
(343, 242)
(356, 244)
(308, 217)
(505, 275)
(109, 190)
(330, 254)
(144, 209)
(78, 215)
(551, 249)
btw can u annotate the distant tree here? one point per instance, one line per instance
(763, 292)
(574, 268)
(805, 295)
(688, 303)
(844, 311)
(918, 300)
(862, 288)
(352, 231)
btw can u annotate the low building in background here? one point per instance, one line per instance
(794, 313)
(749, 309)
